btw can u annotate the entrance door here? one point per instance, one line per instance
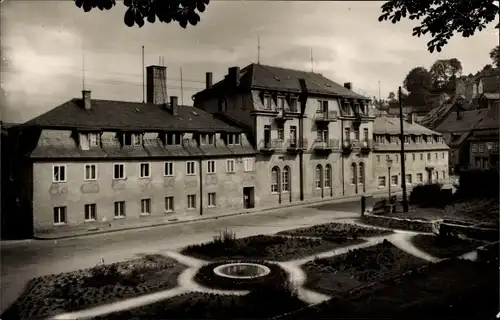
(429, 176)
(248, 197)
(267, 136)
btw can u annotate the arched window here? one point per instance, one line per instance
(285, 179)
(353, 173)
(275, 173)
(318, 176)
(328, 176)
(361, 175)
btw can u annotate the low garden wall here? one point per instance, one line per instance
(470, 231)
(398, 223)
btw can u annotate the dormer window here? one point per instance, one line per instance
(132, 139)
(362, 108)
(90, 140)
(322, 106)
(233, 139)
(280, 103)
(407, 139)
(346, 108)
(294, 104)
(173, 139)
(424, 138)
(267, 101)
(207, 139)
(222, 105)
(355, 107)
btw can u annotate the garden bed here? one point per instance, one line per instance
(357, 268)
(445, 246)
(275, 248)
(48, 295)
(336, 230)
(257, 305)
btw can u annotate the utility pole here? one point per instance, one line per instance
(258, 50)
(402, 156)
(182, 91)
(312, 61)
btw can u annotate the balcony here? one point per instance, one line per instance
(326, 116)
(296, 145)
(367, 146)
(270, 146)
(326, 146)
(284, 115)
(350, 145)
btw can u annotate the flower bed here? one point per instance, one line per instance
(336, 230)
(444, 246)
(53, 294)
(357, 268)
(276, 248)
(257, 305)
(207, 277)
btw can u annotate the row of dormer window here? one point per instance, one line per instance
(386, 138)
(129, 139)
(282, 102)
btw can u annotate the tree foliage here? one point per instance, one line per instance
(418, 80)
(184, 12)
(444, 73)
(495, 56)
(442, 18)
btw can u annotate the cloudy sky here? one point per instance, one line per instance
(43, 43)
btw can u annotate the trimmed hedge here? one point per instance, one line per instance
(476, 183)
(429, 195)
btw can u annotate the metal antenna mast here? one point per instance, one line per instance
(258, 50)
(83, 71)
(312, 61)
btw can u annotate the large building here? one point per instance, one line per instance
(262, 137)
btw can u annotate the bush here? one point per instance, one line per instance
(429, 195)
(476, 183)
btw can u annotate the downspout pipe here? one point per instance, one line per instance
(303, 103)
(200, 164)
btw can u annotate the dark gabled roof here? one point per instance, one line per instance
(258, 76)
(467, 121)
(491, 82)
(113, 115)
(490, 120)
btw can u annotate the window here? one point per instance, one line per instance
(190, 168)
(353, 173)
(436, 155)
(407, 139)
(347, 133)
(230, 166)
(168, 170)
(381, 181)
(318, 176)
(59, 173)
(481, 147)
(429, 156)
(207, 138)
(132, 139)
(248, 163)
(59, 215)
(145, 172)
(394, 180)
(137, 139)
(274, 180)
(169, 204)
(173, 139)
(478, 162)
(120, 209)
(118, 171)
(211, 199)
(293, 104)
(281, 132)
(94, 139)
(387, 157)
(356, 134)
(474, 147)
(285, 180)
(91, 212)
(211, 166)
(328, 176)
(442, 155)
(145, 206)
(421, 156)
(408, 179)
(420, 177)
(365, 134)
(443, 174)
(281, 103)
(378, 159)
(397, 158)
(322, 134)
(361, 175)
(90, 172)
(495, 146)
(268, 103)
(191, 199)
(413, 157)
(233, 139)
(405, 157)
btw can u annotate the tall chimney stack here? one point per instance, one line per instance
(174, 105)
(87, 99)
(208, 78)
(348, 85)
(156, 84)
(234, 76)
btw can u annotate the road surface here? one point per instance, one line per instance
(21, 261)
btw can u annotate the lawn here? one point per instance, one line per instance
(337, 230)
(358, 268)
(275, 248)
(445, 247)
(451, 289)
(49, 295)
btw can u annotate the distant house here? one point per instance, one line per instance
(484, 140)
(486, 90)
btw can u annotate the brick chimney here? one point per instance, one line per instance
(348, 85)
(234, 76)
(174, 106)
(208, 78)
(87, 99)
(156, 84)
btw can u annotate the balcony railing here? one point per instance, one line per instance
(349, 145)
(284, 115)
(296, 144)
(326, 116)
(367, 145)
(326, 145)
(270, 145)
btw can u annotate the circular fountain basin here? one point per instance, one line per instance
(242, 270)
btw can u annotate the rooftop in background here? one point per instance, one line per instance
(490, 120)
(391, 125)
(258, 76)
(461, 121)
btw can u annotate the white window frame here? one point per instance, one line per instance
(124, 171)
(168, 169)
(234, 139)
(378, 159)
(212, 200)
(61, 212)
(285, 180)
(191, 206)
(481, 147)
(474, 147)
(211, 167)
(174, 136)
(249, 164)
(275, 182)
(230, 166)
(137, 139)
(146, 207)
(88, 212)
(147, 167)
(317, 177)
(326, 177)
(380, 180)
(420, 178)
(94, 142)
(58, 179)
(122, 212)
(193, 171)
(409, 179)
(397, 180)
(89, 165)
(169, 204)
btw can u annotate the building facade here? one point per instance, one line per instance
(483, 143)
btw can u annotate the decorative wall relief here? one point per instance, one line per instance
(90, 187)
(169, 182)
(191, 184)
(118, 184)
(58, 189)
(146, 185)
(212, 179)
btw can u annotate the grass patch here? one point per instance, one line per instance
(49, 295)
(444, 247)
(276, 248)
(358, 268)
(330, 231)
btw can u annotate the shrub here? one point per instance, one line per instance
(428, 195)
(476, 183)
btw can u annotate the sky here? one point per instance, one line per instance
(45, 45)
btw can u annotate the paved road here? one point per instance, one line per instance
(24, 260)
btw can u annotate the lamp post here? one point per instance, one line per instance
(389, 165)
(489, 146)
(402, 138)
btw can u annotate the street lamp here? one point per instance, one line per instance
(389, 165)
